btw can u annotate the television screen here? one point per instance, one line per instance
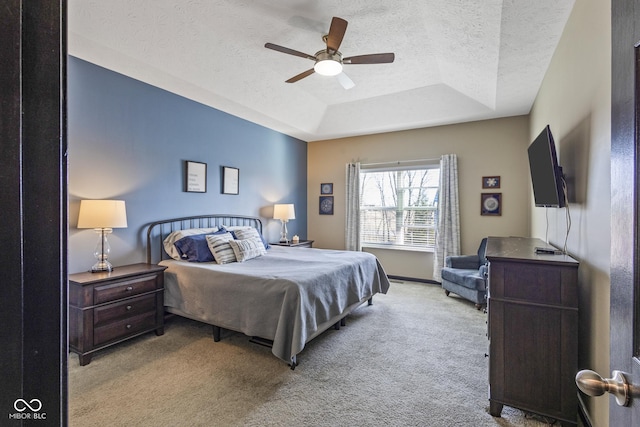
(546, 175)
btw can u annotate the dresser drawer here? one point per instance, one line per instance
(533, 283)
(124, 328)
(124, 289)
(125, 309)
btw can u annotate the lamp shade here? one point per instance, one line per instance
(102, 214)
(284, 212)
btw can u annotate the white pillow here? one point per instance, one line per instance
(169, 241)
(220, 248)
(247, 249)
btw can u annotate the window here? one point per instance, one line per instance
(398, 207)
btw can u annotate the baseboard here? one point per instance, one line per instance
(412, 279)
(583, 413)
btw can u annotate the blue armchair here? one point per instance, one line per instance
(466, 275)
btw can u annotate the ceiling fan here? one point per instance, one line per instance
(329, 61)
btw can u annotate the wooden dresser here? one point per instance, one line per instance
(108, 308)
(532, 329)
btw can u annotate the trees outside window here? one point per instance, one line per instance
(398, 207)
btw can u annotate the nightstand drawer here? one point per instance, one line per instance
(106, 293)
(123, 328)
(125, 309)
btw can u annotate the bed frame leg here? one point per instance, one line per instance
(336, 325)
(294, 362)
(343, 321)
(370, 301)
(216, 333)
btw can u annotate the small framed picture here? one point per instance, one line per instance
(196, 177)
(326, 188)
(491, 204)
(490, 182)
(326, 205)
(230, 180)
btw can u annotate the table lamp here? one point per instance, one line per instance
(102, 216)
(284, 212)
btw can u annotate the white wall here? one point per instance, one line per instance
(575, 100)
(485, 148)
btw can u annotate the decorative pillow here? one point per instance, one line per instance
(220, 248)
(245, 249)
(195, 248)
(247, 233)
(169, 241)
(242, 232)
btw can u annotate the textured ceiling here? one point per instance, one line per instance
(456, 60)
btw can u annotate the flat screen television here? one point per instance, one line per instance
(546, 174)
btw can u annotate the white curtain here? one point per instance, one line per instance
(352, 235)
(448, 225)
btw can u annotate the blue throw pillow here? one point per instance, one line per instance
(194, 248)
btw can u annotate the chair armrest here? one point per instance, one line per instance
(483, 271)
(468, 262)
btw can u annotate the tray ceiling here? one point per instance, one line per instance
(456, 61)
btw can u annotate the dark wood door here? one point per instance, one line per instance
(625, 257)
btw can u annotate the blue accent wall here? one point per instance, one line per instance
(129, 140)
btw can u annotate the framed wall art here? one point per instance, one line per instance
(490, 182)
(326, 188)
(196, 177)
(230, 180)
(491, 204)
(326, 205)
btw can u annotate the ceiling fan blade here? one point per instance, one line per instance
(345, 81)
(374, 58)
(336, 34)
(289, 51)
(300, 76)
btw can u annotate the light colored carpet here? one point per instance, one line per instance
(414, 358)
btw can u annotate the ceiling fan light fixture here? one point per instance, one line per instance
(328, 64)
(328, 67)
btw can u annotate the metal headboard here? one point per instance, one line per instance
(159, 230)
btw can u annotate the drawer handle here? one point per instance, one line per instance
(129, 288)
(128, 326)
(129, 307)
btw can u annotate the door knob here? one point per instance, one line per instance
(592, 384)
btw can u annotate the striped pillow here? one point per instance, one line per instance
(243, 230)
(220, 248)
(249, 233)
(247, 249)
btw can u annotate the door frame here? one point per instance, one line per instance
(33, 196)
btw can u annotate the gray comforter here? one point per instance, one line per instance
(288, 295)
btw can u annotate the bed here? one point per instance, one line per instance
(284, 297)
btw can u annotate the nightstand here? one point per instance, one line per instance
(107, 308)
(300, 244)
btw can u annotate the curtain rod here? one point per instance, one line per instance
(400, 162)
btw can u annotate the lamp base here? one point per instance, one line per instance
(102, 252)
(101, 266)
(283, 232)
